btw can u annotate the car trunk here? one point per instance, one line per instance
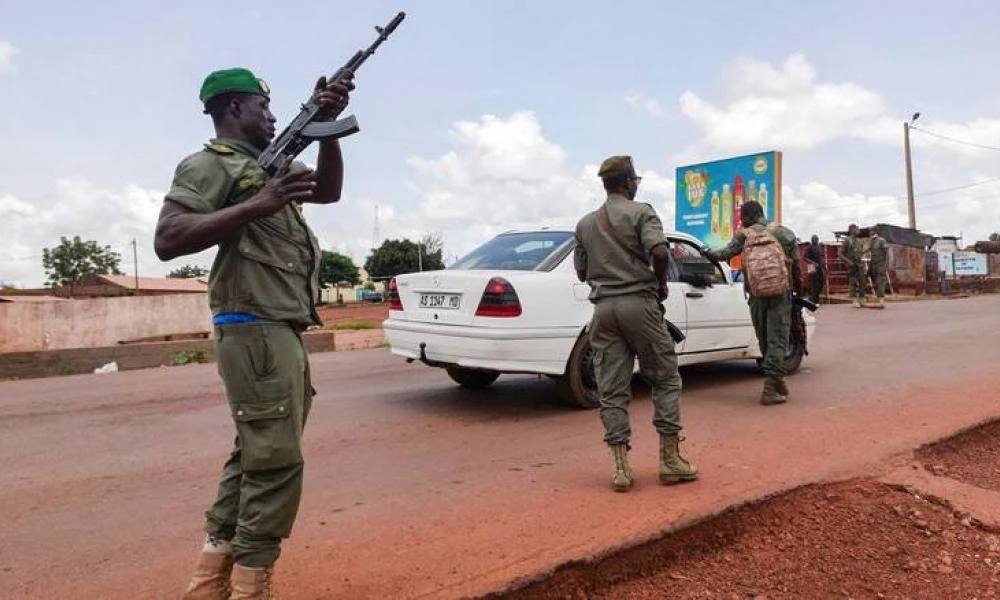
(445, 297)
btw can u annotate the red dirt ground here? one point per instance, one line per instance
(854, 539)
(365, 311)
(972, 457)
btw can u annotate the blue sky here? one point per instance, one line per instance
(481, 116)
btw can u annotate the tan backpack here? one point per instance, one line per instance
(765, 263)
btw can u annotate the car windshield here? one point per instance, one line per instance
(514, 251)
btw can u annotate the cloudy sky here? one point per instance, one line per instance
(477, 117)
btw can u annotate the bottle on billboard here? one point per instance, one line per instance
(762, 197)
(715, 212)
(738, 198)
(752, 191)
(727, 212)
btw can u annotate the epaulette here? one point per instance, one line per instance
(219, 148)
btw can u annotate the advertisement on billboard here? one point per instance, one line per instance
(958, 264)
(709, 195)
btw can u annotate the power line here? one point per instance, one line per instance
(957, 141)
(960, 187)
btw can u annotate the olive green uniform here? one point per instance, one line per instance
(269, 270)
(628, 319)
(853, 250)
(771, 316)
(877, 266)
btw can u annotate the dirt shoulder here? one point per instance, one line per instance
(862, 538)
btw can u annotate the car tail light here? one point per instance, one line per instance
(394, 302)
(499, 300)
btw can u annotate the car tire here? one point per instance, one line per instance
(793, 360)
(473, 379)
(578, 386)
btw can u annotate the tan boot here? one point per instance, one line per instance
(769, 395)
(251, 583)
(623, 478)
(879, 303)
(673, 467)
(210, 580)
(781, 388)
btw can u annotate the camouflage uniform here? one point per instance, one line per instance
(853, 250)
(877, 266)
(771, 316)
(268, 272)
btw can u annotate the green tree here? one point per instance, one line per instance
(187, 272)
(395, 257)
(335, 267)
(73, 259)
(995, 237)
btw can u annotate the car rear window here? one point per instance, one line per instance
(514, 251)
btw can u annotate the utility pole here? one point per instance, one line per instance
(910, 209)
(135, 266)
(420, 257)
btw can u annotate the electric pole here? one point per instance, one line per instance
(910, 209)
(135, 266)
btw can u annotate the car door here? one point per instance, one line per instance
(718, 318)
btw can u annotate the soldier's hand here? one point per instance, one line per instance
(279, 191)
(662, 292)
(332, 97)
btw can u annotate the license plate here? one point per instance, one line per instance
(447, 301)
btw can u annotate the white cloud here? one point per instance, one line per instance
(818, 208)
(783, 107)
(111, 217)
(504, 174)
(646, 104)
(789, 107)
(7, 52)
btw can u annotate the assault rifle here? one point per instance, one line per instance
(305, 129)
(804, 302)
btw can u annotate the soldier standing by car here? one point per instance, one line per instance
(879, 252)
(851, 253)
(614, 246)
(770, 304)
(262, 292)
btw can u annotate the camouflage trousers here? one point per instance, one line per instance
(879, 280)
(772, 322)
(856, 281)
(622, 329)
(266, 374)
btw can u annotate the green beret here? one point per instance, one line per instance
(232, 80)
(616, 166)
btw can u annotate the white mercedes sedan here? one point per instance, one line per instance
(514, 305)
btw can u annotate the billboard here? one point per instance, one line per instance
(709, 195)
(963, 263)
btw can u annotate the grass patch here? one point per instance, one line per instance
(352, 325)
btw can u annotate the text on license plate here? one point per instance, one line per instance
(449, 301)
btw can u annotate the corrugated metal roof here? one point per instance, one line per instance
(27, 298)
(162, 284)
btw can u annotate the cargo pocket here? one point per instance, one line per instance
(268, 436)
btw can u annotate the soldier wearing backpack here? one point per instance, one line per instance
(771, 274)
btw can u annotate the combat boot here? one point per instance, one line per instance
(250, 583)
(781, 388)
(673, 467)
(623, 478)
(210, 580)
(770, 395)
(879, 303)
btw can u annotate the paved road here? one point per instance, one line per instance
(417, 489)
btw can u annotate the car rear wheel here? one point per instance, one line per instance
(578, 385)
(796, 350)
(475, 379)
